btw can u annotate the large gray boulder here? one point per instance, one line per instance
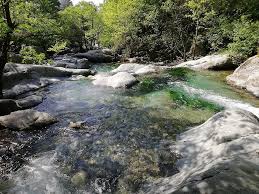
(96, 56)
(136, 69)
(119, 80)
(219, 156)
(43, 71)
(26, 119)
(247, 76)
(212, 62)
(29, 101)
(28, 85)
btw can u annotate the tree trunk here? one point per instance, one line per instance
(5, 42)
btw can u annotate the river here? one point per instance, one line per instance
(124, 142)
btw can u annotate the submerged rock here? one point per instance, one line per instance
(79, 179)
(212, 62)
(247, 76)
(26, 119)
(220, 156)
(119, 80)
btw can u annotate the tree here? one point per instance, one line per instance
(5, 38)
(81, 25)
(65, 3)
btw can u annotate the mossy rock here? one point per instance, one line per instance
(79, 179)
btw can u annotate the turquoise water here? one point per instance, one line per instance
(124, 141)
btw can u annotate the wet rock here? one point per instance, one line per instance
(27, 86)
(44, 70)
(29, 101)
(247, 76)
(76, 125)
(119, 80)
(7, 106)
(135, 68)
(211, 62)
(219, 156)
(79, 179)
(26, 119)
(83, 64)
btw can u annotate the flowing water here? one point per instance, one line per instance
(124, 138)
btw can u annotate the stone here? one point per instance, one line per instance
(136, 69)
(246, 76)
(27, 86)
(7, 106)
(26, 119)
(76, 125)
(79, 179)
(30, 101)
(219, 156)
(119, 80)
(211, 62)
(96, 56)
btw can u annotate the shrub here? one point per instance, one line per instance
(245, 38)
(58, 47)
(30, 55)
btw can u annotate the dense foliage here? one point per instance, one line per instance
(153, 29)
(167, 29)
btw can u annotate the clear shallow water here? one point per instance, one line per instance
(124, 142)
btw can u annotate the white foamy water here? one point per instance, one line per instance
(218, 99)
(41, 175)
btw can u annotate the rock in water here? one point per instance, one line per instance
(119, 80)
(7, 106)
(212, 62)
(247, 76)
(26, 119)
(135, 68)
(219, 156)
(29, 101)
(79, 179)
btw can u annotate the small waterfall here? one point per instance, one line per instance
(218, 99)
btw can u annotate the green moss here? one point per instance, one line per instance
(180, 73)
(147, 85)
(183, 99)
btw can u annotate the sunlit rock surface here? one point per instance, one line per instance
(26, 119)
(212, 62)
(119, 80)
(247, 76)
(219, 156)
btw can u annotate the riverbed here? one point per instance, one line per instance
(124, 142)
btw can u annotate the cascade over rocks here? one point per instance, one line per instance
(26, 119)
(211, 62)
(219, 156)
(246, 76)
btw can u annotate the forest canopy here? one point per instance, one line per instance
(157, 30)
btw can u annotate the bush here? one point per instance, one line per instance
(245, 38)
(30, 56)
(58, 47)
